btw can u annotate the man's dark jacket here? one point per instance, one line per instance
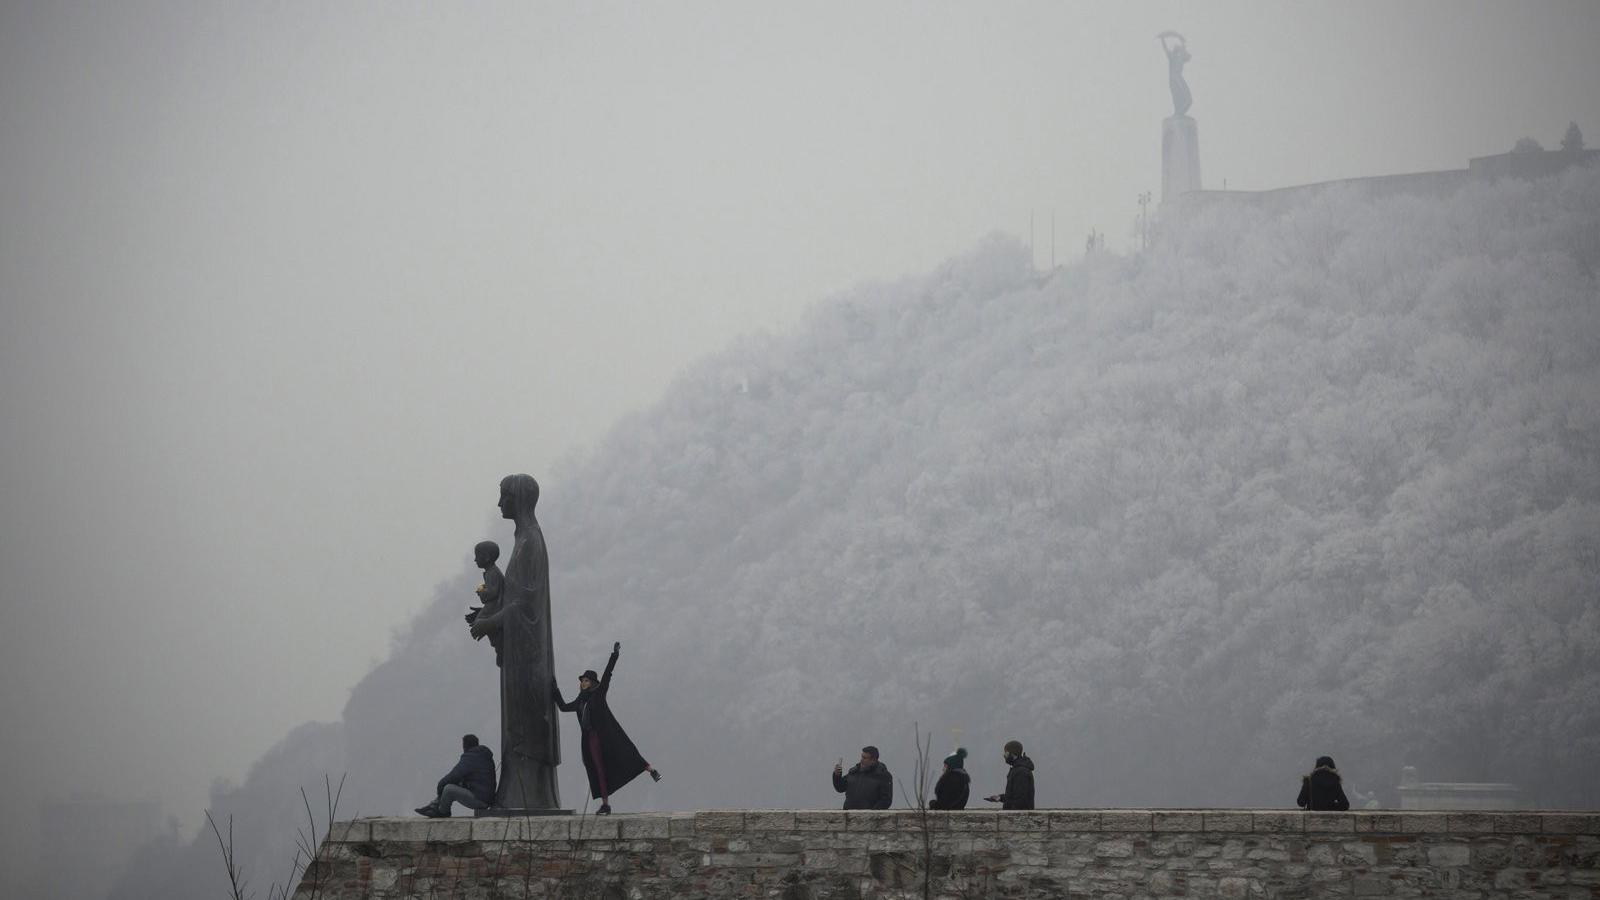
(1322, 789)
(617, 752)
(1019, 785)
(475, 772)
(866, 788)
(952, 790)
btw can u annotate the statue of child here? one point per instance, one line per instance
(489, 592)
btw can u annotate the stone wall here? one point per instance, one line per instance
(1421, 184)
(1537, 164)
(811, 855)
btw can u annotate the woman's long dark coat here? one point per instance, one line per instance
(620, 757)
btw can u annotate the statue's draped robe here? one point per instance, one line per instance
(1181, 98)
(530, 745)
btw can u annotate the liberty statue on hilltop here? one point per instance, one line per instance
(1177, 55)
(1180, 135)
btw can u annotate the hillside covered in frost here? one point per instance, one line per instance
(1291, 483)
(1324, 481)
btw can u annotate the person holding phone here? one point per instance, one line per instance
(1019, 780)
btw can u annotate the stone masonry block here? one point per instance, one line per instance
(1227, 821)
(1074, 820)
(1330, 823)
(821, 859)
(1470, 823)
(1449, 855)
(885, 841)
(769, 820)
(719, 821)
(1126, 820)
(1424, 823)
(835, 861)
(497, 830)
(1373, 886)
(645, 827)
(1564, 823)
(1379, 823)
(819, 820)
(1357, 853)
(1278, 822)
(532, 828)
(1024, 820)
(422, 830)
(1179, 820)
(355, 831)
(1120, 848)
(494, 830)
(871, 820)
(1233, 888)
(971, 820)
(595, 828)
(755, 860)
(1517, 823)
(681, 825)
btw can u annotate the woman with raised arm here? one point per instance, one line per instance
(1177, 55)
(608, 754)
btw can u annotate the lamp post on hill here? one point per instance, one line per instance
(1144, 221)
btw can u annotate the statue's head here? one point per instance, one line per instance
(485, 553)
(519, 494)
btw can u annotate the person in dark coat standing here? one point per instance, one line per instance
(868, 784)
(1019, 781)
(954, 785)
(608, 753)
(1322, 788)
(470, 783)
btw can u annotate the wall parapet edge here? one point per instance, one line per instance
(1126, 821)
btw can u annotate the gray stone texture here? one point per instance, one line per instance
(825, 854)
(1180, 157)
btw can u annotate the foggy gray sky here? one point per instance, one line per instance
(285, 289)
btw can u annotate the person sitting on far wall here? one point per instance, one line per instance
(1019, 781)
(953, 786)
(1322, 789)
(868, 784)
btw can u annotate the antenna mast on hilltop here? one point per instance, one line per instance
(1052, 239)
(1144, 221)
(1032, 259)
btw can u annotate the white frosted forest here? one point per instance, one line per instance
(1322, 480)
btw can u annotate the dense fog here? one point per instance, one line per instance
(1318, 479)
(286, 289)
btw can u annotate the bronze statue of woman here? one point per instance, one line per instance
(530, 745)
(1177, 55)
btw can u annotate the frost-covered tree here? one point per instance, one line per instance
(1572, 141)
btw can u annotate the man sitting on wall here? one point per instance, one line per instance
(470, 783)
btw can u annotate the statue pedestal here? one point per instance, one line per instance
(492, 812)
(1180, 157)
